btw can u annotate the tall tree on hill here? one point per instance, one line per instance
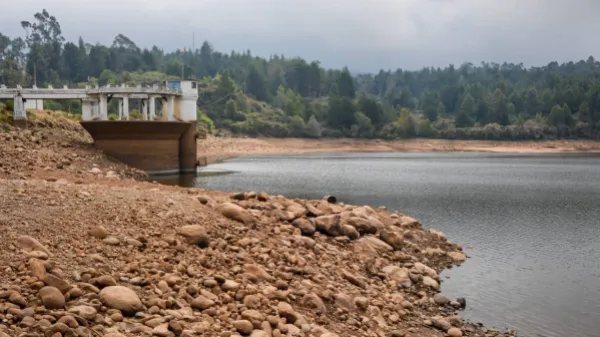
(585, 113)
(429, 105)
(44, 40)
(225, 85)
(345, 84)
(499, 112)
(372, 109)
(12, 58)
(256, 85)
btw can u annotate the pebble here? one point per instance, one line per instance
(85, 311)
(230, 285)
(112, 241)
(202, 303)
(99, 232)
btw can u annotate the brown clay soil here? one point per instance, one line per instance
(87, 249)
(214, 149)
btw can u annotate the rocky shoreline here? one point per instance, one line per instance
(89, 250)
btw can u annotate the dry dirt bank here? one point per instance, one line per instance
(87, 250)
(214, 149)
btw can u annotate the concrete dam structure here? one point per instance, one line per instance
(157, 145)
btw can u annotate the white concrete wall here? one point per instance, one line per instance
(34, 104)
(187, 108)
(187, 102)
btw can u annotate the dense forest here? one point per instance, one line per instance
(290, 97)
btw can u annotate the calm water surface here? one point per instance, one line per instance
(533, 223)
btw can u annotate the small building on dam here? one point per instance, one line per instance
(160, 143)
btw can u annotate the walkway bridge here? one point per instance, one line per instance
(158, 145)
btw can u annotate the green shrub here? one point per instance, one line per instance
(208, 123)
(135, 115)
(10, 105)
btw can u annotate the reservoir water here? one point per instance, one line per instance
(533, 222)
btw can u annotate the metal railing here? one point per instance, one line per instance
(95, 90)
(139, 89)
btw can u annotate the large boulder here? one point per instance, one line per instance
(202, 303)
(56, 282)
(235, 212)
(374, 220)
(350, 232)
(398, 274)
(363, 211)
(407, 222)
(37, 269)
(457, 256)
(29, 244)
(121, 298)
(286, 311)
(362, 225)
(372, 245)
(313, 211)
(425, 270)
(52, 298)
(194, 234)
(256, 272)
(297, 209)
(306, 226)
(392, 238)
(329, 224)
(431, 283)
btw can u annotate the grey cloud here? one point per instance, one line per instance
(364, 35)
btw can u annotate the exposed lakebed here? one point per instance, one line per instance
(533, 222)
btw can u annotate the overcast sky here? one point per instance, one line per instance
(365, 35)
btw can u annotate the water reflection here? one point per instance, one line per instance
(187, 180)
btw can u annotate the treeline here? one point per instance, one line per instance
(279, 96)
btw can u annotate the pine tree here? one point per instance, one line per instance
(256, 85)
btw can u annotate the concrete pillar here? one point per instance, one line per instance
(152, 107)
(126, 108)
(144, 109)
(19, 113)
(170, 107)
(103, 108)
(120, 110)
(188, 157)
(86, 109)
(95, 111)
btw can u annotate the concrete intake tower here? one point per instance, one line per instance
(163, 144)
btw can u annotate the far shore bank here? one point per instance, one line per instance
(216, 149)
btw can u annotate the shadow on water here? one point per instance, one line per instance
(186, 180)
